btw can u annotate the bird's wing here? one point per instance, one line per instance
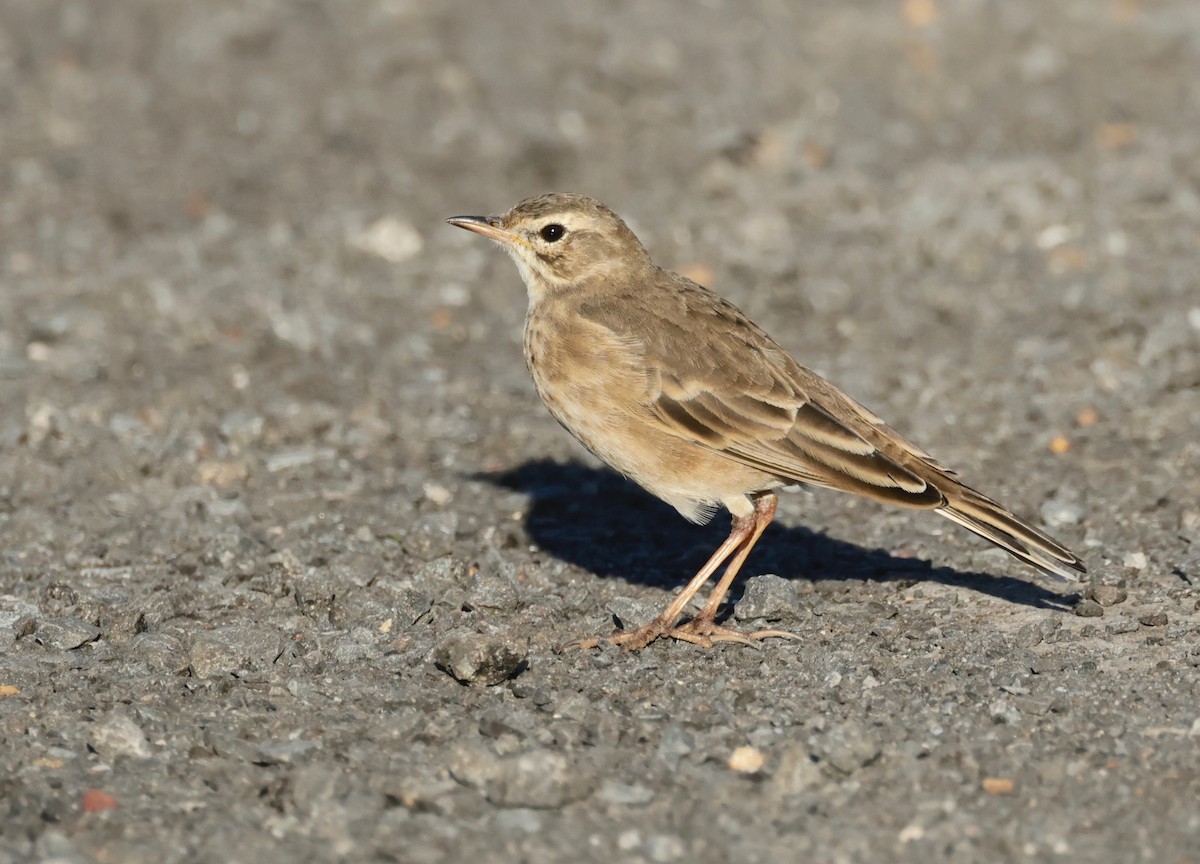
(715, 378)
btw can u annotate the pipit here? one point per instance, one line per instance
(676, 388)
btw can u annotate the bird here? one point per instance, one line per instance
(677, 389)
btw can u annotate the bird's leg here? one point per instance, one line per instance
(703, 629)
(632, 640)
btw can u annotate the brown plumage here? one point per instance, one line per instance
(676, 388)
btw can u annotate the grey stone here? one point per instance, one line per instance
(163, 652)
(348, 651)
(285, 752)
(14, 613)
(675, 744)
(119, 735)
(233, 650)
(477, 658)
(431, 536)
(474, 766)
(768, 597)
(624, 793)
(240, 428)
(1029, 635)
(23, 627)
(66, 633)
(297, 457)
(1121, 625)
(1108, 595)
(520, 819)
(493, 590)
(849, 747)
(441, 574)
(410, 605)
(539, 779)
(795, 771)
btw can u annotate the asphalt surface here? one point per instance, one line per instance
(290, 549)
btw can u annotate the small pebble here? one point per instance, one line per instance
(850, 747)
(998, 785)
(539, 779)
(768, 597)
(675, 744)
(746, 760)
(797, 771)
(1089, 609)
(66, 633)
(411, 605)
(1004, 711)
(1136, 560)
(538, 695)
(437, 494)
(1108, 595)
(441, 574)
(477, 658)
(233, 650)
(1153, 619)
(297, 457)
(493, 590)
(519, 819)
(119, 735)
(474, 765)
(625, 793)
(1029, 635)
(95, 801)
(284, 752)
(1121, 625)
(432, 536)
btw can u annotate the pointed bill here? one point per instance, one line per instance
(488, 226)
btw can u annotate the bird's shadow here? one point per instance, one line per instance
(600, 521)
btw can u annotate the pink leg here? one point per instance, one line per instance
(703, 630)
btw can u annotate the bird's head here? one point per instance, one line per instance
(562, 240)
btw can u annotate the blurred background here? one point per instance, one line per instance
(244, 363)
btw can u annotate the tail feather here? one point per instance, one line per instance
(993, 522)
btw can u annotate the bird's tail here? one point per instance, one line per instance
(992, 522)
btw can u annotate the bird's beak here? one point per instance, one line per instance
(488, 226)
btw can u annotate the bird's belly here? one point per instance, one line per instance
(597, 389)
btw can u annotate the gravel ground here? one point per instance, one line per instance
(290, 547)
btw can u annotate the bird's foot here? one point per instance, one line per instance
(706, 633)
(699, 631)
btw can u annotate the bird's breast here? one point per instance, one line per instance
(598, 384)
(590, 378)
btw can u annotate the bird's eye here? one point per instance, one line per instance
(553, 232)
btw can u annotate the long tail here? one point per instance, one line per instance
(992, 522)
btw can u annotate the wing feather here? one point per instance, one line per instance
(738, 393)
(729, 387)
